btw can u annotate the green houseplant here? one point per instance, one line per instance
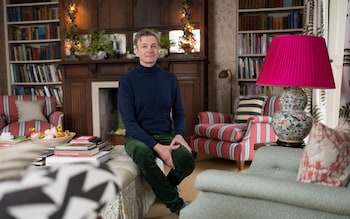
(97, 44)
(164, 43)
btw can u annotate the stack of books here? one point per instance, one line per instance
(11, 141)
(73, 152)
(84, 139)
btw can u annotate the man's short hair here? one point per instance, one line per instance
(144, 32)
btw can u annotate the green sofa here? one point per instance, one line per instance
(268, 189)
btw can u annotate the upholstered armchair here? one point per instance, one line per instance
(19, 113)
(232, 136)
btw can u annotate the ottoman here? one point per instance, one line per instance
(135, 196)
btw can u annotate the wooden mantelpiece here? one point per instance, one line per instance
(78, 75)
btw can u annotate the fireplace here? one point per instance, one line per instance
(104, 107)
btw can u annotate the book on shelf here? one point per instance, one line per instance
(31, 13)
(76, 146)
(251, 89)
(102, 156)
(249, 4)
(36, 52)
(249, 67)
(77, 153)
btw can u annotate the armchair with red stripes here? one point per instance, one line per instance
(20, 113)
(232, 136)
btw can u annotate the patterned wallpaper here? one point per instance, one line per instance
(222, 25)
(3, 78)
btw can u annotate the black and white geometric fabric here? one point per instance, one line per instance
(72, 191)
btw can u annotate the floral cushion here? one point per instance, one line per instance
(326, 157)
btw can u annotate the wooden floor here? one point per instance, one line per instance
(187, 190)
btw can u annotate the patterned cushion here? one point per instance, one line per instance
(249, 106)
(326, 157)
(221, 131)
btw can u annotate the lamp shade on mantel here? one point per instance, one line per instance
(295, 62)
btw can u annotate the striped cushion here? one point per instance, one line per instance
(249, 106)
(221, 131)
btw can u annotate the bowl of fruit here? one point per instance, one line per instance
(51, 137)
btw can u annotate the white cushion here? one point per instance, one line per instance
(30, 110)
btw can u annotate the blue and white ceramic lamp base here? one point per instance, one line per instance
(292, 124)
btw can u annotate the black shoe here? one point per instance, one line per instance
(182, 207)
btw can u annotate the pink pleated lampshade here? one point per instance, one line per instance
(297, 60)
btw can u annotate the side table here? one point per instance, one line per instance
(262, 144)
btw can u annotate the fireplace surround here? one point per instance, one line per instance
(104, 96)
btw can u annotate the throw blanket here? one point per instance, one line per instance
(64, 192)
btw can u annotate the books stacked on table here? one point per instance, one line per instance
(85, 139)
(6, 139)
(74, 152)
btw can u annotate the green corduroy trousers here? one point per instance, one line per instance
(164, 186)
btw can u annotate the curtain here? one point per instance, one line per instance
(315, 25)
(344, 111)
(314, 19)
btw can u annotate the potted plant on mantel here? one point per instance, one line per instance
(165, 43)
(98, 45)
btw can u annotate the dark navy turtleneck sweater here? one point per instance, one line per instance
(146, 97)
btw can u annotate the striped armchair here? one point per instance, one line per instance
(218, 135)
(10, 114)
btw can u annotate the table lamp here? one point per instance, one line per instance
(295, 62)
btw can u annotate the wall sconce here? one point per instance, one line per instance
(72, 39)
(187, 41)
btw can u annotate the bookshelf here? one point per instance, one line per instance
(33, 48)
(258, 22)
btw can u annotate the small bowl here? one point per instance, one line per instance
(130, 56)
(54, 141)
